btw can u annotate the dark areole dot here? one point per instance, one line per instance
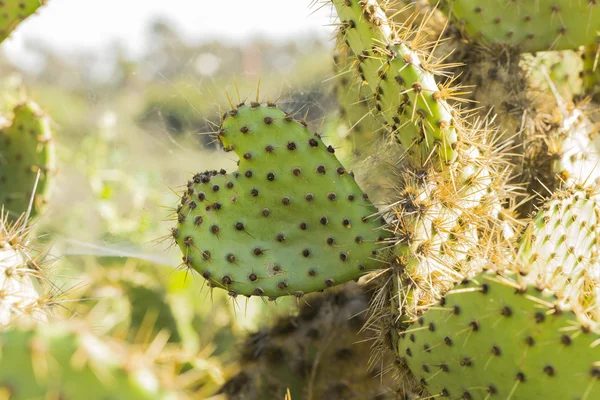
(306, 252)
(226, 280)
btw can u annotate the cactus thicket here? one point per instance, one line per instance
(481, 291)
(471, 221)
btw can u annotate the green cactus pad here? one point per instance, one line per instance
(402, 83)
(13, 12)
(291, 220)
(66, 361)
(490, 338)
(25, 148)
(530, 25)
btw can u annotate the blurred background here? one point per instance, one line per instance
(133, 88)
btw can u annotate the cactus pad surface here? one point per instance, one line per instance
(25, 148)
(493, 338)
(66, 361)
(530, 25)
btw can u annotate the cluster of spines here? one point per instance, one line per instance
(25, 293)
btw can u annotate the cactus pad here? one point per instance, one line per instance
(25, 148)
(491, 338)
(67, 362)
(530, 25)
(12, 12)
(290, 220)
(559, 250)
(402, 83)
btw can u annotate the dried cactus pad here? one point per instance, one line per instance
(291, 220)
(531, 25)
(490, 338)
(13, 12)
(25, 148)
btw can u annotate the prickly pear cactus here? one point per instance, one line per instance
(13, 12)
(320, 353)
(67, 361)
(493, 337)
(530, 25)
(291, 220)
(26, 150)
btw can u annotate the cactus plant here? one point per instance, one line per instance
(27, 160)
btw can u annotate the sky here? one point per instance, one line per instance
(71, 25)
